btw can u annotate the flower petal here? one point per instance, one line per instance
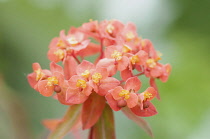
(112, 102)
(133, 83)
(123, 63)
(44, 89)
(132, 100)
(55, 67)
(107, 84)
(125, 74)
(69, 67)
(146, 112)
(75, 96)
(85, 65)
(115, 92)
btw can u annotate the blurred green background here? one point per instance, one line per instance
(178, 28)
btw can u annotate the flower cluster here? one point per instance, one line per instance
(119, 49)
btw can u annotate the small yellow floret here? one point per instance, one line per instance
(52, 81)
(109, 28)
(134, 59)
(81, 83)
(147, 95)
(151, 63)
(96, 77)
(72, 40)
(116, 55)
(39, 74)
(60, 43)
(59, 53)
(130, 36)
(124, 93)
(86, 73)
(126, 49)
(159, 56)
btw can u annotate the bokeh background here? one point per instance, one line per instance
(178, 28)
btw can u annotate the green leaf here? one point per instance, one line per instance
(104, 128)
(70, 119)
(138, 120)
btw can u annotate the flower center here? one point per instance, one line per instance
(126, 49)
(147, 95)
(134, 59)
(60, 43)
(86, 73)
(52, 81)
(109, 28)
(151, 63)
(59, 53)
(116, 55)
(124, 93)
(81, 83)
(130, 36)
(39, 74)
(159, 56)
(72, 40)
(96, 77)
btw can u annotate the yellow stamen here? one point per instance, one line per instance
(116, 55)
(130, 36)
(72, 40)
(86, 73)
(52, 81)
(124, 93)
(134, 59)
(39, 74)
(59, 53)
(96, 77)
(81, 83)
(147, 95)
(60, 43)
(109, 28)
(159, 56)
(151, 63)
(126, 48)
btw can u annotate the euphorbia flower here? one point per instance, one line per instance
(75, 40)
(166, 72)
(157, 70)
(145, 108)
(89, 88)
(37, 75)
(116, 54)
(110, 29)
(91, 29)
(120, 97)
(79, 86)
(79, 90)
(57, 50)
(101, 82)
(148, 47)
(129, 32)
(53, 83)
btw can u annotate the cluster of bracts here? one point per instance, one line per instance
(119, 50)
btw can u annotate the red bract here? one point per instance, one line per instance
(53, 83)
(94, 89)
